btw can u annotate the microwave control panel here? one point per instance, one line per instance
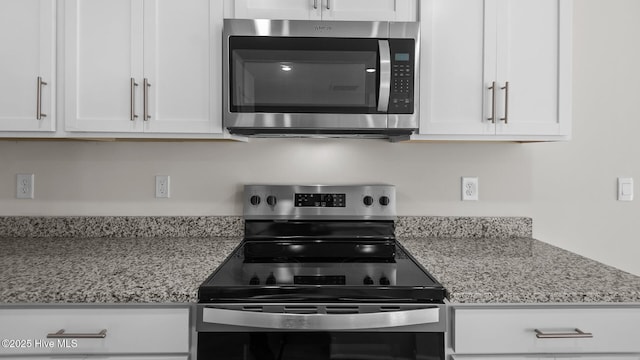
(402, 76)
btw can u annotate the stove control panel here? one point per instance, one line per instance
(319, 202)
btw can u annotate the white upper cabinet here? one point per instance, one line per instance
(27, 65)
(521, 47)
(182, 66)
(366, 10)
(143, 66)
(452, 67)
(103, 54)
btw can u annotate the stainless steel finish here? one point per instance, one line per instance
(506, 103)
(578, 334)
(315, 4)
(320, 317)
(395, 5)
(306, 121)
(285, 208)
(60, 334)
(39, 114)
(385, 75)
(145, 94)
(313, 121)
(306, 28)
(133, 99)
(493, 103)
(328, 4)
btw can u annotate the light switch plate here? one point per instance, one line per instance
(625, 189)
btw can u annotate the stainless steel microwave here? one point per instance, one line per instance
(321, 78)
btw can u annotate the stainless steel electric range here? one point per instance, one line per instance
(320, 275)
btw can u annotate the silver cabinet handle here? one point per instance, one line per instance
(133, 99)
(385, 75)
(145, 91)
(578, 334)
(506, 103)
(315, 4)
(493, 103)
(328, 4)
(381, 320)
(60, 334)
(39, 114)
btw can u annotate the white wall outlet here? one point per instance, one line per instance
(470, 189)
(24, 189)
(162, 186)
(625, 189)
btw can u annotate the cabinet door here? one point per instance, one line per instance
(454, 72)
(369, 10)
(278, 9)
(103, 52)
(534, 58)
(181, 65)
(123, 330)
(27, 40)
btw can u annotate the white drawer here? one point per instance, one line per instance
(512, 330)
(24, 331)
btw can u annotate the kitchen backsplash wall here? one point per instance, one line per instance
(569, 189)
(233, 226)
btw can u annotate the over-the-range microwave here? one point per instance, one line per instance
(321, 78)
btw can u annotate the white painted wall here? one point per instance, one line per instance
(568, 188)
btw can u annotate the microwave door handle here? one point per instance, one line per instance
(385, 75)
(285, 321)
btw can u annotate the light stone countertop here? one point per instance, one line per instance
(169, 270)
(520, 270)
(108, 270)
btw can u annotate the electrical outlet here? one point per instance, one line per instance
(24, 189)
(162, 186)
(470, 189)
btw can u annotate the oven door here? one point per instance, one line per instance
(269, 345)
(241, 332)
(285, 74)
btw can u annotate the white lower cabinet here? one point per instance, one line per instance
(96, 332)
(546, 332)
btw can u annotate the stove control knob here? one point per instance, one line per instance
(367, 200)
(384, 281)
(367, 280)
(384, 200)
(255, 280)
(255, 200)
(271, 280)
(272, 200)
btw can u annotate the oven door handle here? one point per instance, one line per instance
(381, 320)
(385, 75)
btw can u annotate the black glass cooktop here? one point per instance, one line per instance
(312, 271)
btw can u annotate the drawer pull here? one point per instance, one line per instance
(578, 334)
(60, 334)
